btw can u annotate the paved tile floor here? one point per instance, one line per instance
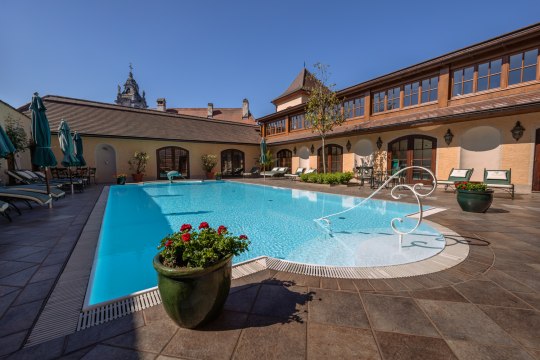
(487, 307)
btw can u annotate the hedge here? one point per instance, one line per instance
(330, 178)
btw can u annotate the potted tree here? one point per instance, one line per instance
(138, 164)
(208, 163)
(473, 197)
(194, 272)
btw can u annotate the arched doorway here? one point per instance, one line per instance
(105, 163)
(480, 148)
(172, 158)
(284, 158)
(232, 162)
(333, 157)
(418, 150)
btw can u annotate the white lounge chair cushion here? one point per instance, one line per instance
(275, 169)
(459, 173)
(31, 174)
(497, 175)
(281, 169)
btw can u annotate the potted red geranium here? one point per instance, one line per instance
(194, 272)
(473, 197)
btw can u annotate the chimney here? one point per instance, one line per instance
(210, 110)
(245, 109)
(161, 104)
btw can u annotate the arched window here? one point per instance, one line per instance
(232, 162)
(172, 158)
(419, 150)
(333, 158)
(284, 158)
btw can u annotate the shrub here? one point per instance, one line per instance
(468, 186)
(330, 178)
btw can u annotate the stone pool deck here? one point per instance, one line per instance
(487, 307)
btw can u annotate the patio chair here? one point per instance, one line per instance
(310, 171)
(4, 208)
(296, 175)
(499, 179)
(39, 178)
(255, 171)
(456, 175)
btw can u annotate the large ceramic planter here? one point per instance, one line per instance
(194, 296)
(475, 201)
(137, 177)
(209, 175)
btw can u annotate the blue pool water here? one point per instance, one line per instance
(279, 223)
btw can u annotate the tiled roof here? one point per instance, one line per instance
(303, 81)
(483, 108)
(226, 114)
(101, 119)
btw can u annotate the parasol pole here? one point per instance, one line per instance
(48, 185)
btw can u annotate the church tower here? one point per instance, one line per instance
(130, 96)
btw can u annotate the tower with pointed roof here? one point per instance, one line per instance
(130, 95)
(297, 92)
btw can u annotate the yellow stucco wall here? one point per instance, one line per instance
(125, 148)
(512, 154)
(24, 158)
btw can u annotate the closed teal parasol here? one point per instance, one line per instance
(41, 132)
(6, 146)
(77, 139)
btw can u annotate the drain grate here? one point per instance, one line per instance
(103, 313)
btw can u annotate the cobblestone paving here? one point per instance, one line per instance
(487, 307)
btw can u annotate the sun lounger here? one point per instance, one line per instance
(4, 208)
(31, 177)
(55, 192)
(9, 195)
(276, 172)
(456, 175)
(499, 179)
(255, 171)
(296, 175)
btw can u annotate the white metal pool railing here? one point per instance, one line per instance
(412, 188)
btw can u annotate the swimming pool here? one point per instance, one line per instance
(279, 223)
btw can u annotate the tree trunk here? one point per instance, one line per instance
(323, 156)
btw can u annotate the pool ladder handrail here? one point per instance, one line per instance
(413, 188)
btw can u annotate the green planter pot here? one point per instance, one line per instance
(121, 181)
(475, 201)
(194, 296)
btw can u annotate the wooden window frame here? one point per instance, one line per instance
(284, 158)
(186, 173)
(410, 96)
(522, 67)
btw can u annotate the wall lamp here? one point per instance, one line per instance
(517, 131)
(379, 143)
(312, 149)
(294, 150)
(348, 146)
(448, 137)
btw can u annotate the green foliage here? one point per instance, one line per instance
(138, 162)
(323, 108)
(16, 134)
(330, 178)
(208, 162)
(465, 185)
(200, 248)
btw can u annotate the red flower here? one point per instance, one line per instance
(168, 243)
(204, 225)
(186, 237)
(242, 237)
(185, 227)
(221, 229)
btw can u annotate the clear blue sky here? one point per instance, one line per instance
(195, 52)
